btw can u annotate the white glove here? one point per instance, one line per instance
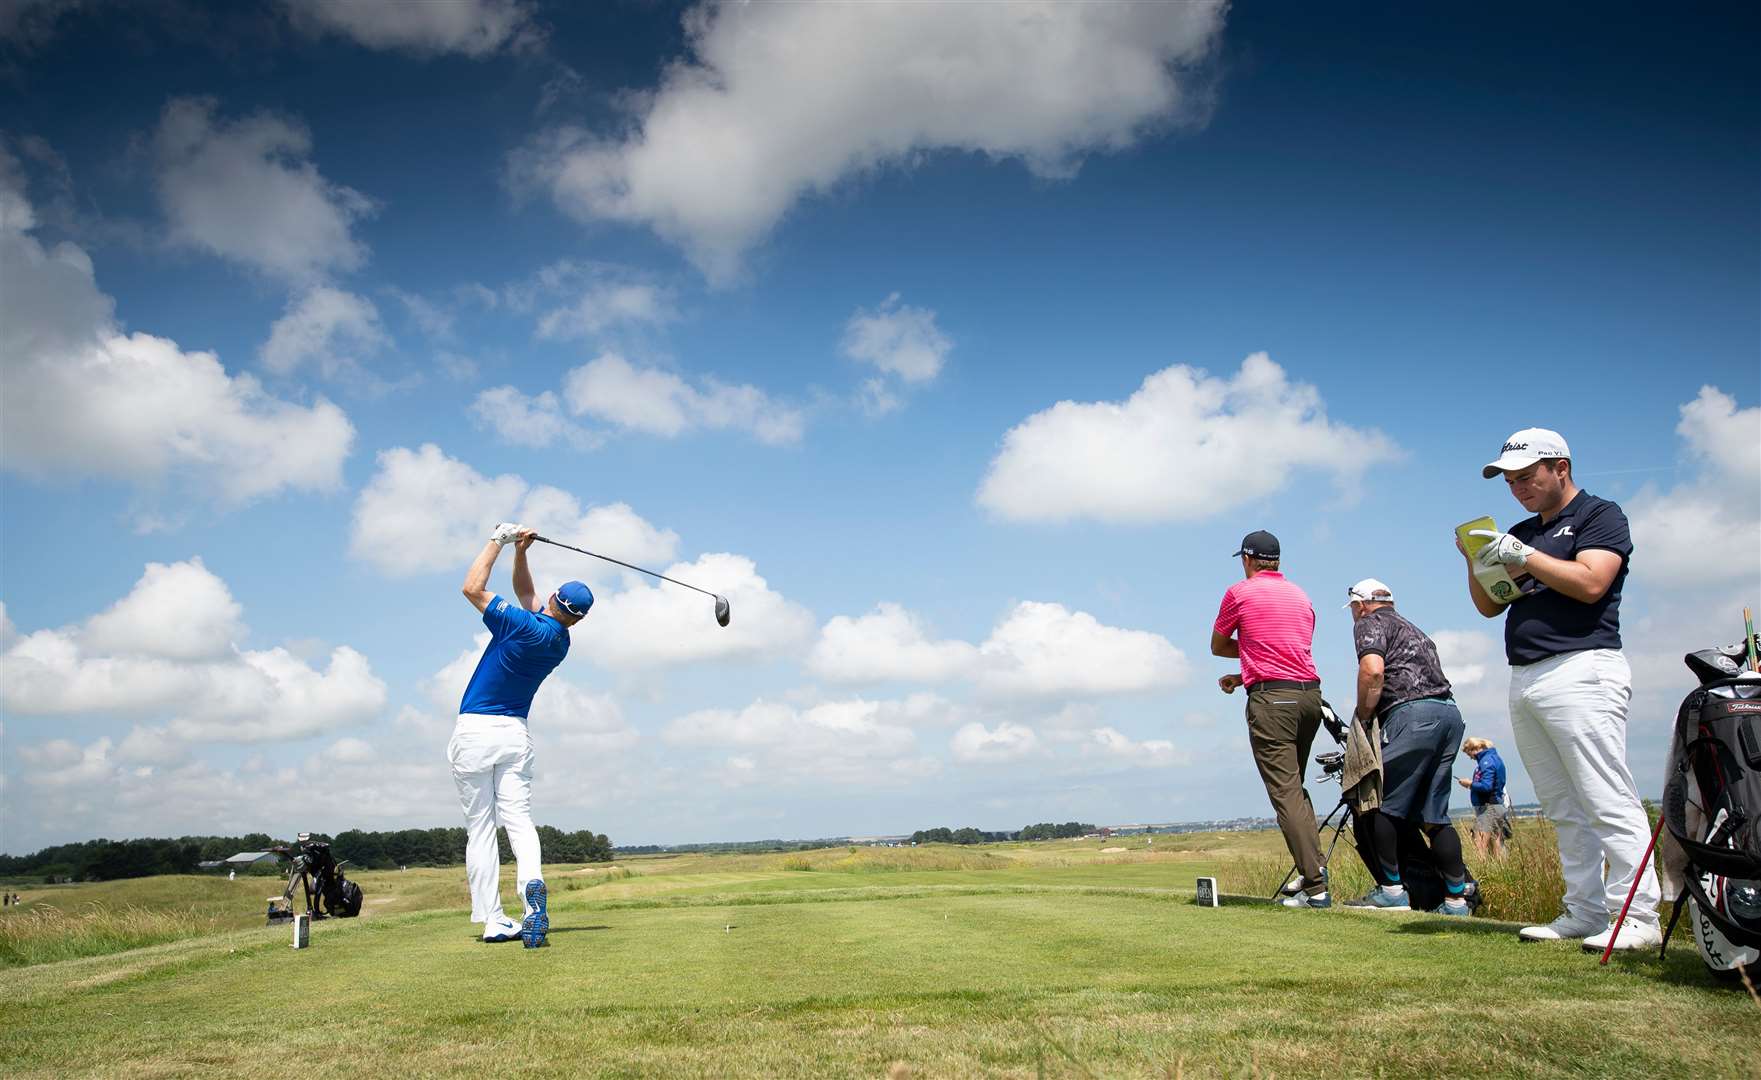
(1504, 548)
(506, 533)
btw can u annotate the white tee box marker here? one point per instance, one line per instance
(1207, 892)
(302, 931)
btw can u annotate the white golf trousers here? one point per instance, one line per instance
(1568, 713)
(492, 766)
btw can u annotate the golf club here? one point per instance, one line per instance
(721, 602)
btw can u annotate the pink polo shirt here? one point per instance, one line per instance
(1276, 625)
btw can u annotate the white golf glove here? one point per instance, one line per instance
(506, 533)
(1504, 548)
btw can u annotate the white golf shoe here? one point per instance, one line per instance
(1567, 927)
(1628, 933)
(501, 929)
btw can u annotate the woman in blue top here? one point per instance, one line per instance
(1486, 789)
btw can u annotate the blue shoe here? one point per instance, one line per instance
(1453, 905)
(1317, 902)
(536, 925)
(1382, 900)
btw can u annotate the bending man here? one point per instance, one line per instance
(1400, 681)
(491, 749)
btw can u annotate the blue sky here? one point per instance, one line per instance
(959, 346)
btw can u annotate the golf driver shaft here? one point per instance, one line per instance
(620, 562)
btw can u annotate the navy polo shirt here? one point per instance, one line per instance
(1543, 622)
(524, 647)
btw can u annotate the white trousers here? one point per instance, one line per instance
(1568, 713)
(492, 766)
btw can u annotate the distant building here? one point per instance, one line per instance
(250, 858)
(211, 864)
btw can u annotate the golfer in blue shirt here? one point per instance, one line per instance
(491, 750)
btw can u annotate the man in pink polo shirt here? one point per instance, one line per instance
(1269, 624)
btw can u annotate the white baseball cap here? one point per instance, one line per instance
(1525, 448)
(1369, 590)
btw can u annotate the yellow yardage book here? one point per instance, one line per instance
(1495, 579)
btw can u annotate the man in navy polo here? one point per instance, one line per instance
(1569, 687)
(491, 749)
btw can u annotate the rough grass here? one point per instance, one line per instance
(45, 933)
(1525, 885)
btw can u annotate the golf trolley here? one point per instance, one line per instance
(316, 874)
(1332, 765)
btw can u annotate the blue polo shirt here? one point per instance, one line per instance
(1543, 622)
(524, 647)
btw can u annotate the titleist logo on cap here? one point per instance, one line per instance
(1509, 446)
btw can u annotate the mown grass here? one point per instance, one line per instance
(1050, 959)
(1021, 976)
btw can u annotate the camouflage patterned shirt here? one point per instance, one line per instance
(1411, 669)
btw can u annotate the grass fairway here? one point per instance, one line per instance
(1032, 960)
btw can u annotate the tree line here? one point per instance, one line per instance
(110, 860)
(969, 835)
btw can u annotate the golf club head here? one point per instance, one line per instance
(721, 610)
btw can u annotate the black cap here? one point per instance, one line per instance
(1260, 544)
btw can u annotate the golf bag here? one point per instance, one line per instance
(1425, 890)
(317, 874)
(1712, 809)
(336, 896)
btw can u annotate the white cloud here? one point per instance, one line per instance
(247, 191)
(326, 327)
(657, 402)
(30, 24)
(975, 744)
(423, 511)
(78, 396)
(1046, 650)
(1467, 656)
(239, 696)
(1184, 446)
(433, 320)
(1038, 650)
(852, 743)
(151, 746)
(889, 643)
(349, 750)
(104, 789)
(605, 305)
(474, 28)
(179, 611)
(663, 624)
(781, 100)
(900, 340)
(1671, 529)
(536, 421)
(1115, 746)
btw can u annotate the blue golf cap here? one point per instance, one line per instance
(574, 598)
